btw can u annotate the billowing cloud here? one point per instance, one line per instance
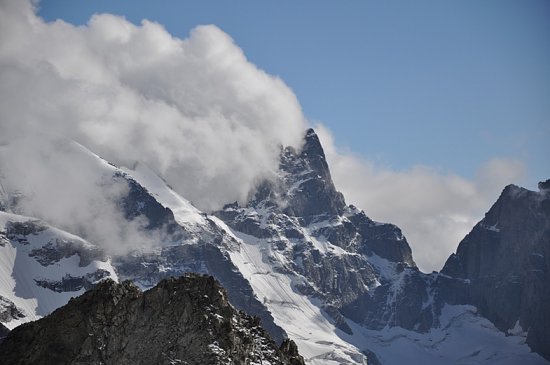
(195, 110)
(435, 210)
(65, 184)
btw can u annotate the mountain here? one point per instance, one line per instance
(502, 266)
(41, 267)
(337, 268)
(316, 270)
(180, 321)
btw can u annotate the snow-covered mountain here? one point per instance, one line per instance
(344, 287)
(42, 267)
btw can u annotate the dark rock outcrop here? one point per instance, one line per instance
(69, 283)
(544, 186)
(313, 194)
(17, 231)
(180, 321)
(140, 203)
(352, 267)
(57, 249)
(9, 311)
(3, 332)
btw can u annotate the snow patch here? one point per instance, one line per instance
(305, 323)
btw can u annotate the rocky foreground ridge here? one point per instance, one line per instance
(187, 320)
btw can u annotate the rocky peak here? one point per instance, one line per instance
(505, 260)
(306, 185)
(307, 230)
(313, 152)
(185, 320)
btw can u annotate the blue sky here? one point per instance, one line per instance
(436, 83)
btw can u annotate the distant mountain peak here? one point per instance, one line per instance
(505, 260)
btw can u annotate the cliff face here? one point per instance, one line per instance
(180, 321)
(503, 265)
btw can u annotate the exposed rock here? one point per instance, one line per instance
(9, 311)
(544, 186)
(186, 320)
(373, 359)
(69, 283)
(17, 231)
(399, 302)
(364, 270)
(312, 194)
(139, 203)
(383, 239)
(198, 249)
(57, 249)
(3, 332)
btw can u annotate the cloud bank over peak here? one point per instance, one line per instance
(193, 109)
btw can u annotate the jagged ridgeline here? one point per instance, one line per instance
(187, 320)
(316, 270)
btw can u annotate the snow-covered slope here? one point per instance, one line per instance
(463, 337)
(302, 317)
(42, 267)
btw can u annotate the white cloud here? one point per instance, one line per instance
(193, 109)
(435, 210)
(73, 189)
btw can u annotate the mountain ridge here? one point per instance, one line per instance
(186, 320)
(317, 270)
